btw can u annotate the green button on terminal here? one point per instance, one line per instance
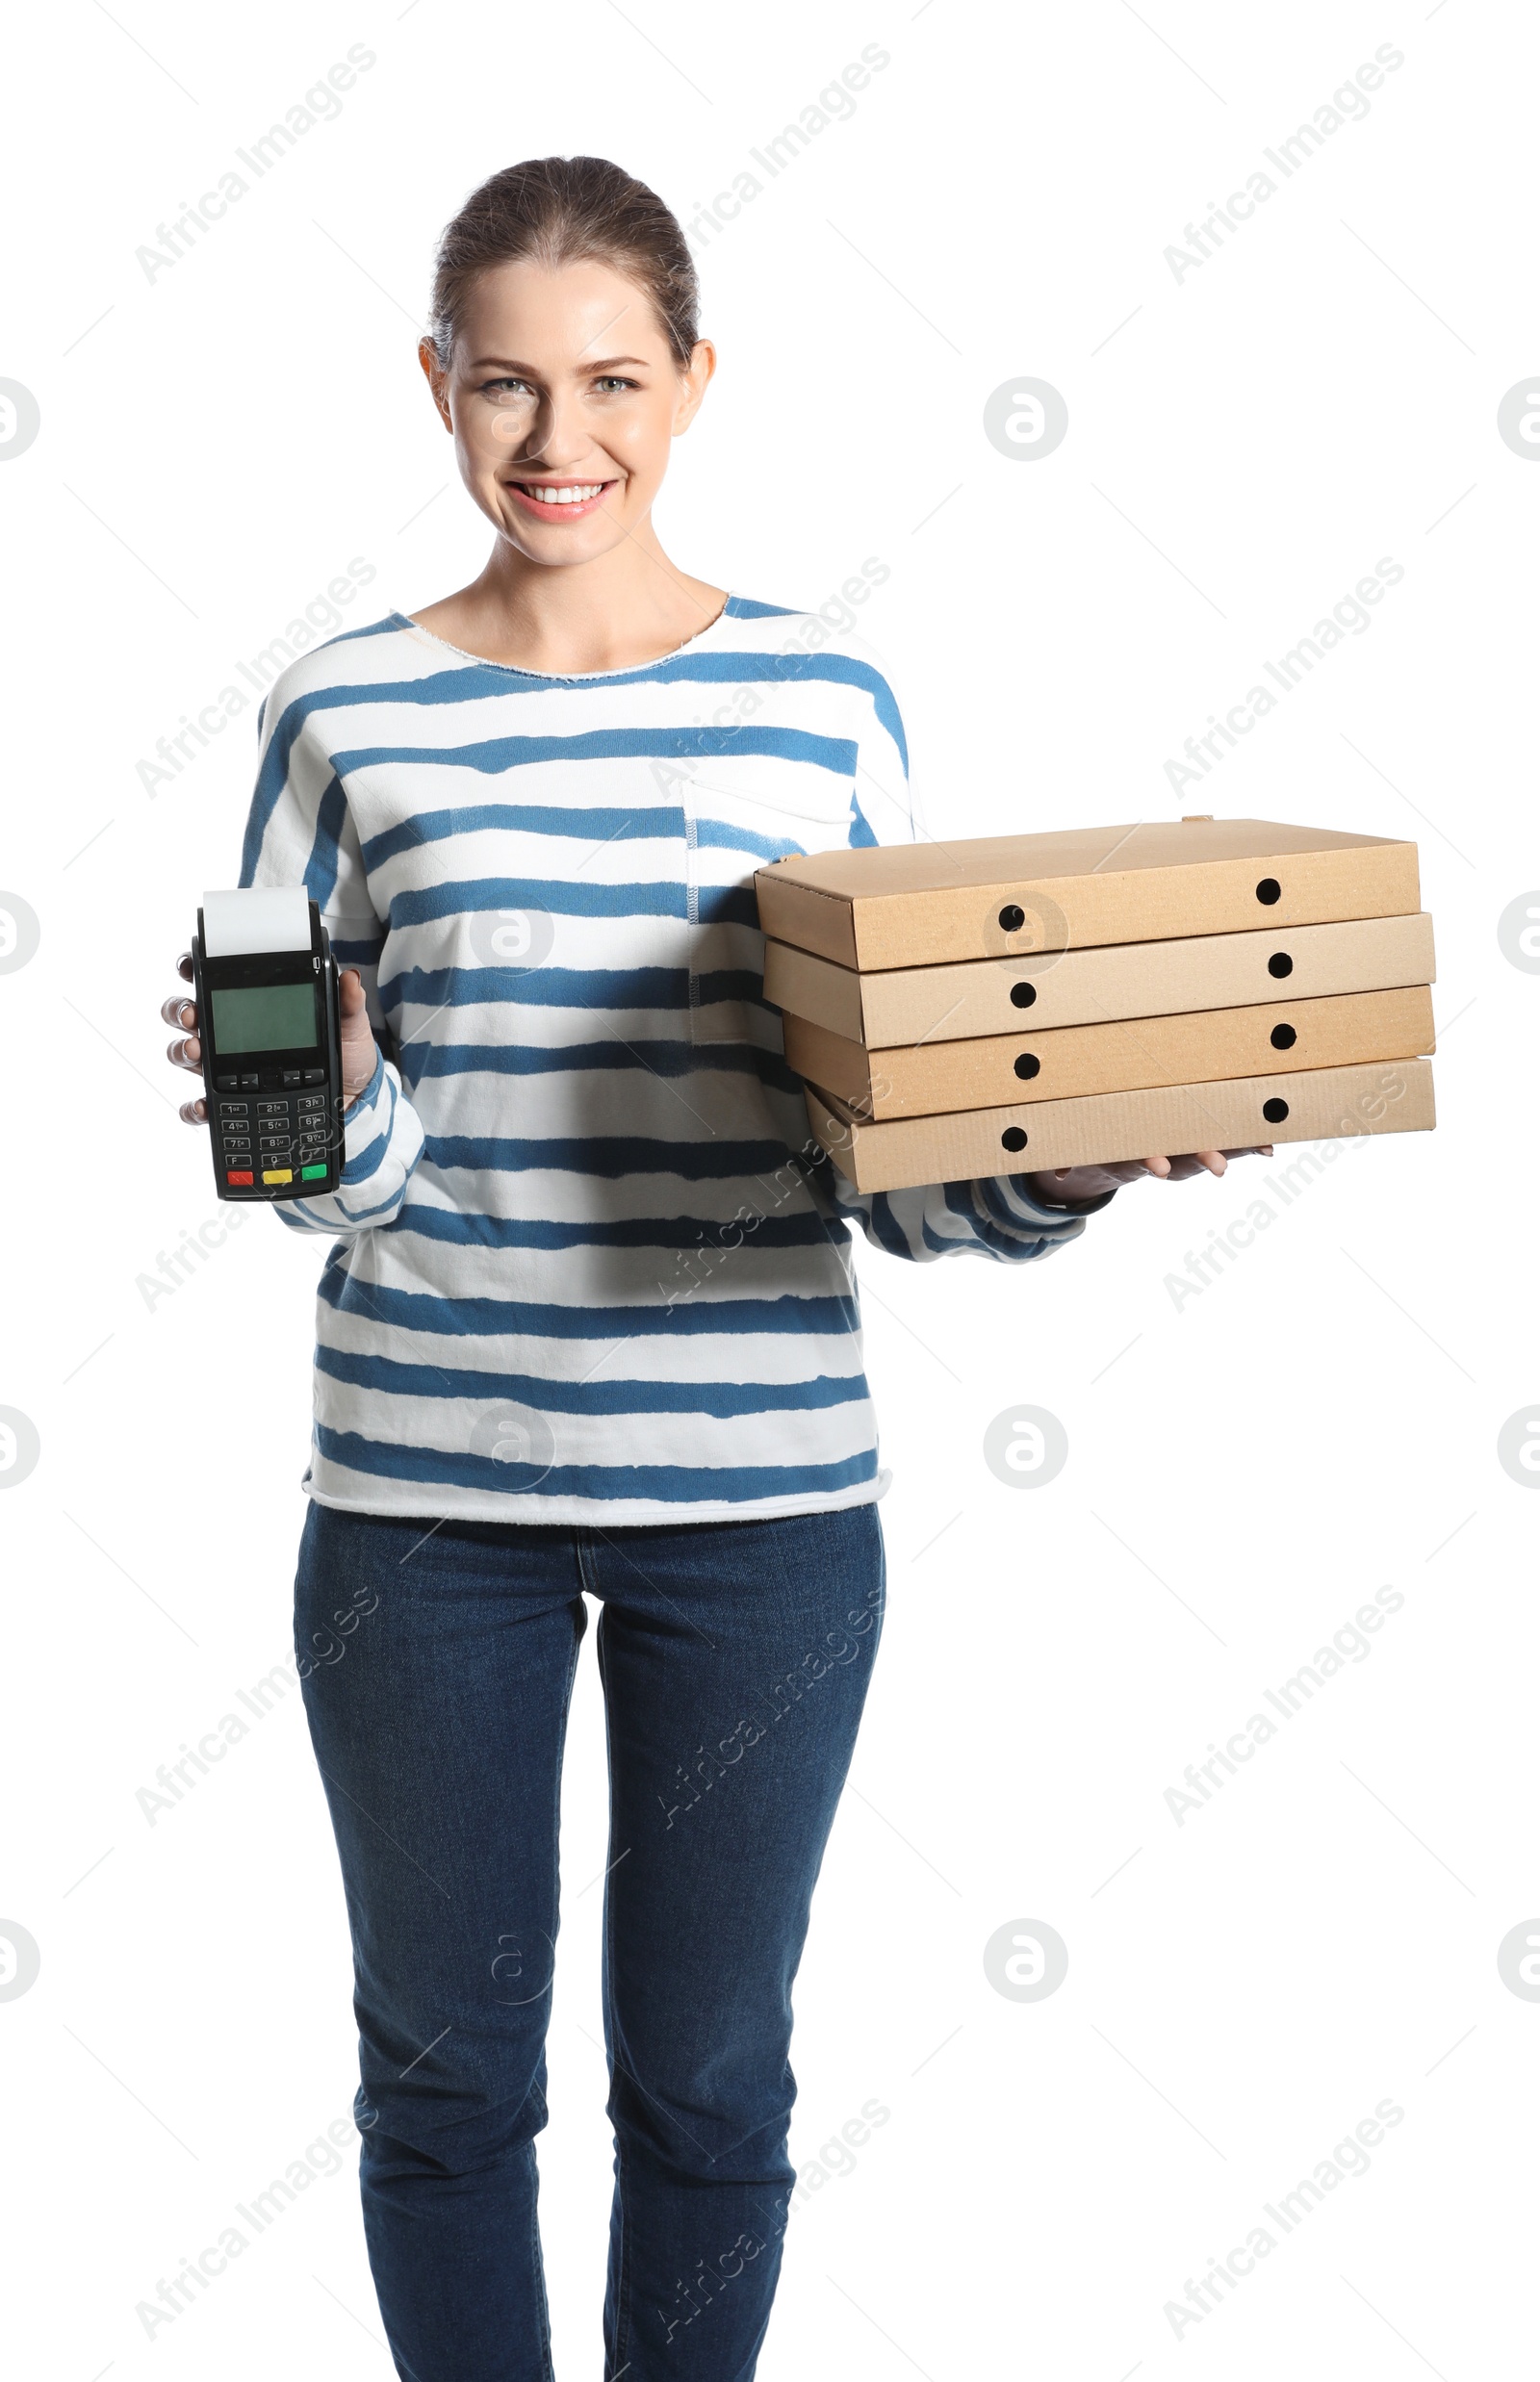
(308, 1174)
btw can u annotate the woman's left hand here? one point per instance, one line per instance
(1058, 1184)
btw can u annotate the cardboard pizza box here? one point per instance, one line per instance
(998, 896)
(1112, 980)
(1327, 1103)
(1130, 1055)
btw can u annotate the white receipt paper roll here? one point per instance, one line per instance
(260, 918)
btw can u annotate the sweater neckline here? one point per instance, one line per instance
(571, 677)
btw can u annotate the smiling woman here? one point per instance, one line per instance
(574, 428)
(588, 1320)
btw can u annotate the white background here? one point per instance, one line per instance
(1246, 1468)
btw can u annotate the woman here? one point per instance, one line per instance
(589, 1318)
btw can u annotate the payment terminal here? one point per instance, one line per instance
(269, 1027)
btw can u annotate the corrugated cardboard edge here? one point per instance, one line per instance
(881, 930)
(1218, 1045)
(1326, 1104)
(1321, 886)
(801, 983)
(803, 916)
(892, 1006)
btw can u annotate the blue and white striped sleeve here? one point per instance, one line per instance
(993, 1216)
(301, 831)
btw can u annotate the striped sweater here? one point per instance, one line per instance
(586, 1264)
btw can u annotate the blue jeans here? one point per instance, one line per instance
(437, 1664)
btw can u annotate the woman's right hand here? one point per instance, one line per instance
(359, 1047)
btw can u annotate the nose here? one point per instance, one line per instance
(559, 437)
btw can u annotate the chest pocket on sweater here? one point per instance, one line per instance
(740, 812)
(726, 948)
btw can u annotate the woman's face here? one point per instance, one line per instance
(563, 395)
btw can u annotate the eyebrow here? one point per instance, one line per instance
(507, 363)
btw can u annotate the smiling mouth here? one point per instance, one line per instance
(560, 499)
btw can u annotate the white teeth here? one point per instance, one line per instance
(564, 496)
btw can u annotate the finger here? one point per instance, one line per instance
(193, 1111)
(179, 1010)
(184, 965)
(1159, 1167)
(188, 1053)
(1214, 1159)
(351, 985)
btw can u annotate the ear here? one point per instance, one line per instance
(438, 380)
(694, 380)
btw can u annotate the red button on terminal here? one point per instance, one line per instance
(238, 1178)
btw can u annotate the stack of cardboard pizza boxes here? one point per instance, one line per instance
(1014, 1002)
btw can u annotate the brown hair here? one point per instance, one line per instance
(558, 210)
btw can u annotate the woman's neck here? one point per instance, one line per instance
(621, 610)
